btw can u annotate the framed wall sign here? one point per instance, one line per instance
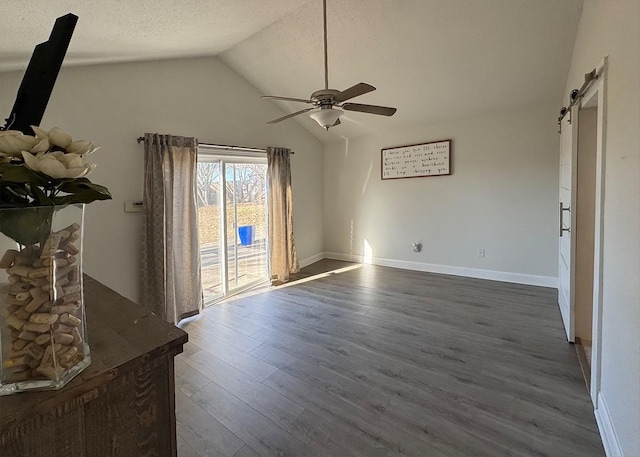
(417, 160)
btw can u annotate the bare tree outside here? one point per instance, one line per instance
(250, 183)
(247, 187)
(208, 184)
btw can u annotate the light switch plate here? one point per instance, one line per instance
(133, 206)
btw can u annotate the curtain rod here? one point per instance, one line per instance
(226, 147)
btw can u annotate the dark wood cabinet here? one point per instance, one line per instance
(121, 405)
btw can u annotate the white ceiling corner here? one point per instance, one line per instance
(120, 31)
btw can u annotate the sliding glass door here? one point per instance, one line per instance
(233, 222)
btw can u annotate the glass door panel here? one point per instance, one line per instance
(209, 192)
(246, 224)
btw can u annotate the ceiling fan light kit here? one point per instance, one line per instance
(327, 102)
(326, 117)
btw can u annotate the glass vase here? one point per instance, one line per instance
(43, 336)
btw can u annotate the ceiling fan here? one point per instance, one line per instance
(326, 103)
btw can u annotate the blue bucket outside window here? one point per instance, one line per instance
(246, 234)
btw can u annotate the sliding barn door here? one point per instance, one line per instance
(567, 219)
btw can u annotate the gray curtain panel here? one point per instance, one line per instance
(171, 285)
(283, 258)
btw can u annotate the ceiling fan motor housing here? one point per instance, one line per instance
(324, 97)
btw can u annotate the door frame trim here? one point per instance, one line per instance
(596, 95)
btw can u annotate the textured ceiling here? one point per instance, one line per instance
(127, 30)
(432, 59)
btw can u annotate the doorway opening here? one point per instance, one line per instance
(585, 236)
(232, 211)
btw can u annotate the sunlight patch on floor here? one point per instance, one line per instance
(267, 289)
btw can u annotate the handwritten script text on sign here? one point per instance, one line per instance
(431, 159)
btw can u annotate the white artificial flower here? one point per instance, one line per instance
(71, 160)
(57, 164)
(39, 132)
(42, 146)
(13, 142)
(60, 138)
(82, 147)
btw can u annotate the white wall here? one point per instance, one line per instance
(114, 104)
(501, 197)
(613, 28)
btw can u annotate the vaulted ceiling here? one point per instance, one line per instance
(432, 59)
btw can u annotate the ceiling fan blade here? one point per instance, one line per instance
(288, 99)
(354, 91)
(371, 109)
(289, 115)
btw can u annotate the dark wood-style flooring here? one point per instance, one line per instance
(371, 361)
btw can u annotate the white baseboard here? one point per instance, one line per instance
(607, 432)
(518, 278)
(312, 259)
(345, 257)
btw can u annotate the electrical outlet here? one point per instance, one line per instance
(480, 252)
